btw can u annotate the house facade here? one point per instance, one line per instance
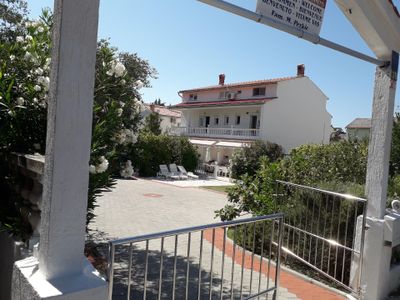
(170, 118)
(359, 129)
(288, 111)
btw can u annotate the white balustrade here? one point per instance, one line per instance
(232, 132)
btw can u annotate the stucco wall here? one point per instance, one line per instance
(191, 117)
(246, 93)
(298, 116)
(358, 133)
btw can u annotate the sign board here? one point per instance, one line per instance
(306, 15)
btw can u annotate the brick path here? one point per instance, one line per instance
(302, 289)
(142, 206)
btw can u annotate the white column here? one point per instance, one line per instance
(380, 140)
(63, 271)
(68, 137)
(376, 273)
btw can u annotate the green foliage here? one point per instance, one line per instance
(395, 151)
(339, 167)
(253, 194)
(12, 15)
(337, 162)
(24, 84)
(152, 150)
(152, 123)
(247, 160)
(158, 102)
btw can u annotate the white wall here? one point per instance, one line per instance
(191, 117)
(358, 133)
(166, 124)
(298, 116)
(246, 93)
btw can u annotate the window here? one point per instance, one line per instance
(216, 120)
(221, 95)
(226, 120)
(173, 120)
(260, 91)
(193, 97)
(201, 121)
(237, 120)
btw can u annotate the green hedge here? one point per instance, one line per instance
(152, 150)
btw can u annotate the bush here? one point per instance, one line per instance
(152, 150)
(247, 160)
(339, 167)
(24, 84)
(344, 162)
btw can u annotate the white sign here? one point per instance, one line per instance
(306, 15)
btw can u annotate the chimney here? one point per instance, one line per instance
(300, 70)
(221, 79)
(152, 107)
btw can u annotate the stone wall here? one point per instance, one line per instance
(28, 172)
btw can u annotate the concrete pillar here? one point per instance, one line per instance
(381, 138)
(63, 272)
(377, 252)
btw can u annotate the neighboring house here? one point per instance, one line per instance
(170, 118)
(288, 111)
(359, 129)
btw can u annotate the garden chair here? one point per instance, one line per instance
(188, 174)
(164, 172)
(175, 171)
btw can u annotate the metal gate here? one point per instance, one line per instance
(200, 262)
(320, 233)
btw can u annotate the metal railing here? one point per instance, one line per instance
(193, 263)
(320, 232)
(231, 132)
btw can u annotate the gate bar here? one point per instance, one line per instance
(240, 11)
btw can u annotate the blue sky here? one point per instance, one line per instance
(190, 43)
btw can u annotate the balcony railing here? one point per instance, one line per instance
(200, 262)
(217, 132)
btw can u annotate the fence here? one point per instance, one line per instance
(320, 232)
(199, 262)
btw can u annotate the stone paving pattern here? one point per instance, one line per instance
(137, 207)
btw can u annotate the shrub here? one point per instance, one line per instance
(24, 84)
(247, 160)
(152, 150)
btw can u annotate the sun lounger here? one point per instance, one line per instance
(174, 170)
(189, 174)
(164, 172)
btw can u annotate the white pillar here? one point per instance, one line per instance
(377, 252)
(380, 139)
(63, 271)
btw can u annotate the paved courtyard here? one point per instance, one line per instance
(137, 207)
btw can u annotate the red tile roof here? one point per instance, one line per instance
(164, 111)
(225, 102)
(240, 84)
(360, 123)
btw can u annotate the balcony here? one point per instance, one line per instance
(216, 132)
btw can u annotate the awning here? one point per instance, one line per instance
(231, 144)
(202, 142)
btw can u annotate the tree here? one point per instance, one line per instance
(24, 84)
(152, 123)
(12, 14)
(395, 151)
(158, 102)
(247, 160)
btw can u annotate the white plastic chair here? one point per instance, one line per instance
(189, 174)
(164, 172)
(173, 168)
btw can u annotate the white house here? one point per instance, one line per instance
(169, 117)
(289, 111)
(359, 129)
